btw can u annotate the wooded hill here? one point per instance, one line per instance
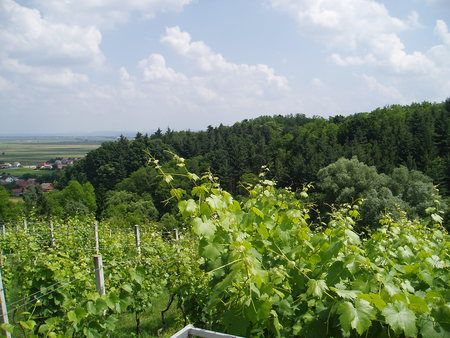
(293, 147)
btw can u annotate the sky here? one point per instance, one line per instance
(89, 66)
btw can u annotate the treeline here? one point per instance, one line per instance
(395, 141)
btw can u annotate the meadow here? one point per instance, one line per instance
(33, 150)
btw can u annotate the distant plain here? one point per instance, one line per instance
(34, 150)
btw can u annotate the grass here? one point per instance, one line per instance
(25, 171)
(30, 151)
(151, 321)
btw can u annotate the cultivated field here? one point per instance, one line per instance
(30, 151)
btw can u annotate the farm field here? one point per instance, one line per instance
(30, 151)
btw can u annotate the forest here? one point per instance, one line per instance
(396, 157)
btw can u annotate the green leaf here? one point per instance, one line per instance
(258, 212)
(353, 237)
(214, 202)
(187, 208)
(429, 328)
(400, 318)
(336, 272)
(263, 231)
(332, 250)
(177, 193)
(100, 306)
(316, 287)
(347, 294)
(374, 299)
(168, 178)
(28, 325)
(127, 288)
(210, 251)
(417, 304)
(72, 316)
(203, 228)
(7, 327)
(357, 317)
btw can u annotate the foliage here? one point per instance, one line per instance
(295, 147)
(126, 208)
(345, 181)
(274, 273)
(51, 286)
(8, 208)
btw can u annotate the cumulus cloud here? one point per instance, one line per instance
(345, 23)
(215, 87)
(154, 69)
(390, 93)
(441, 30)
(361, 32)
(209, 61)
(26, 36)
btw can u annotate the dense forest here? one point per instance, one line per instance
(393, 158)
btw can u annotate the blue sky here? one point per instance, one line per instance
(80, 66)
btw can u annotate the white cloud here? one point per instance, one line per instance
(414, 20)
(360, 32)
(5, 84)
(62, 77)
(388, 93)
(105, 13)
(441, 53)
(154, 69)
(343, 24)
(441, 30)
(212, 62)
(217, 86)
(26, 36)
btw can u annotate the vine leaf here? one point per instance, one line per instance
(400, 318)
(316, 287)
(357, 317)
(203, 228)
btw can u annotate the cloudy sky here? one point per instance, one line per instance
(78, 66)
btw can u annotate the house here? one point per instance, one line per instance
(15, 165)
(7, 179)
(5, 165)
(26, 183)
(67, 161)
(46, 187)
(44, 166)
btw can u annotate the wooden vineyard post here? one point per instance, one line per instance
(4, 309)
(99, 278)
(97, 244)
(52, 232)
(3, 229)
(137, 236)
(25, 225)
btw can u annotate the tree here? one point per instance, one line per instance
(346, 180)
(126, 209)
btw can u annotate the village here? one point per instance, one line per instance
(17, 184)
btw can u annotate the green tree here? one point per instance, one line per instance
(126, 208)
(411, 191)
(8, 209)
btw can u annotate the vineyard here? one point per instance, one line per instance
(267, 266)
(50, 280)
